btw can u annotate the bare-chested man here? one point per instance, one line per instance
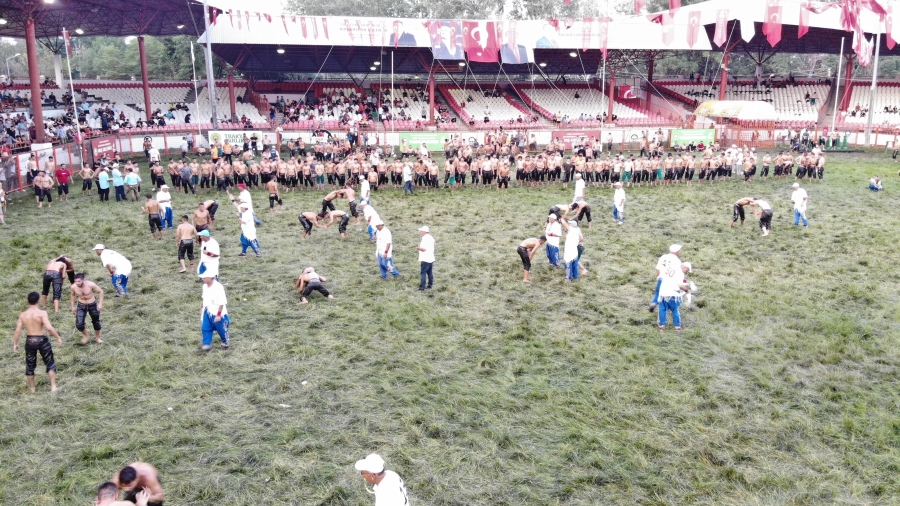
(36, 324)
(184, 239)
(328, 201)
(108, 495)
(309, 219)
(201, 218)
(151, 209)
(350, 195)
(139, 476)
(309, 281)
(87, 180)
(83, 294)
(43, 185)
(739, 210)
(343, 220)
(526, 251)
(53, 275)
(274, 196)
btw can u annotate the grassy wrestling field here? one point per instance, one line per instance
(782, 389)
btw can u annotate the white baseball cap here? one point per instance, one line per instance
(425, 229)
(675, 248)
(208, 274)
(164, 187)
(796, 185)
(689, 266)
(373, 463)
(99, 246)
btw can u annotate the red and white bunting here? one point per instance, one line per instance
(604, 35)
(721, 27)
(693, 28)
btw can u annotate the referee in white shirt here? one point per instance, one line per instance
(426, 258)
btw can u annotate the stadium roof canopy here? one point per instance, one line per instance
(118, 18)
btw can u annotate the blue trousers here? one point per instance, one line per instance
(426, 274)
(618, 216)
(120, 283)
(655, 299)
(167, 218)
(572, 270)
(120, 193)
(254, 245)
(371, 232)
(670, 304)
(386, 265)
(800, 216)
(208, 325)
(874, 188)
(553, 255)
(408, 186)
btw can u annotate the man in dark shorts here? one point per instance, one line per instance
(308, 219)
(184, 239)
(739, 210)
(583, 210)
(310, 281)
(526, 251)
(62, 176)
(274, 195)
(36, 325)
(763, 211)
(151, 209)
(138, 477)
(83, 292)
(328, 201)
(53, 274)
(331, 215)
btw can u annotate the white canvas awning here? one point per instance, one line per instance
(737, 109)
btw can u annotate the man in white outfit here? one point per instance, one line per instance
(388, 487)
(619, 204)
(799, 198)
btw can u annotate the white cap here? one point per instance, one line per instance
(675, 248)
(164, 187)
(551, 217)
(373, 463)
(796, 185)
(377, 222)
(208, 274)
(99, 246)
(689, 266)
(425, 229)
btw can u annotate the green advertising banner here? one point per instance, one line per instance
(696, 135)
(434, 140)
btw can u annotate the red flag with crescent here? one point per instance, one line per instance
(68, 41)
(889, 26)
(639, 5)
(693, 27)
(772, 26)
(214, 16)
(721, 27)
(586, 33)
(303, 26)
(604, 35)
(325, 28)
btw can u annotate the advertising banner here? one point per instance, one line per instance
(103, 146)
(234, 137)
(696, 135)
(569, 136)
(434, 140)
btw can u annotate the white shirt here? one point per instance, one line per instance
(669, 266)
(427, 243)
(370, 215)
(211, 263)
(154, 154)
(407, 173)
(391, 491)
(248, 226)
(164, 199)
(384, 241)
(579, 190)
(619, 198)
(213, 297)
(799, 198)
(364, 189)
(555, 229)
(120, 264)
(573, 237)
(670, 286)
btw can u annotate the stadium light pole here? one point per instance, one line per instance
(210, 82)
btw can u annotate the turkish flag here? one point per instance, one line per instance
(693, 27)
(639, 5)
(721, 27)
(604, 35)
(480, 41)
(804, 19)
(668, 28)
(674, 5)
(889, 26)
(773, 20)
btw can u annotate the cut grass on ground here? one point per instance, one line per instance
(781, 390)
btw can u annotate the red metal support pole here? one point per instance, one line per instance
(231, 100)
(723, 83)
(649, 83)
(34, 78)
(848, 78)
(431, 99)
(144, 79)
(612, 95)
